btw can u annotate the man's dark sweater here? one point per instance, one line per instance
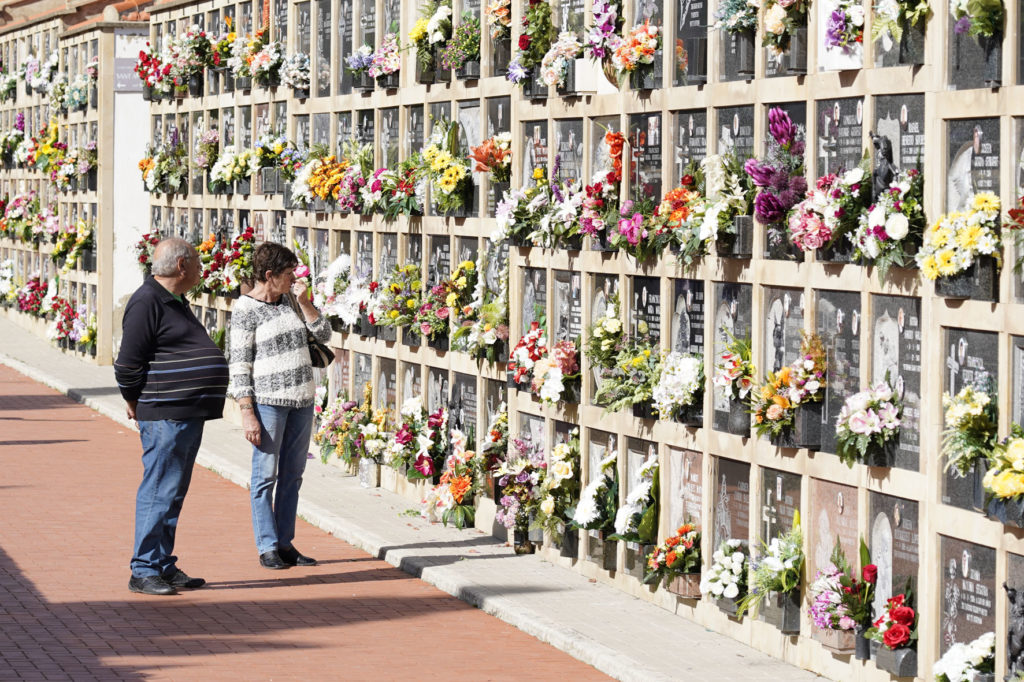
(167, 361)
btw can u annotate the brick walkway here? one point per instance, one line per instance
(67, 492)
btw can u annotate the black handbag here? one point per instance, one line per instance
(320, 354)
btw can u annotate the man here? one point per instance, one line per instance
(173, 378)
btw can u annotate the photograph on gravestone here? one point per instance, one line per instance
(900, 118)
(323, 48)
(832, 54)
(533, 433)
(462, 406)
(896, 352)
(783, 321)
(533, 306)
(730, 501)
(387, 384)
(412, 382)
(733, 319)
(893, 537)
(645, 311)
(840, 326)
(362, 374)
(645, 149)
(535, 150)
(970, 358)
(569, 150)
(780, 503)
(439, 264)
(1017, 378)
(968, 592)
(833, 515)
(437, 389)
(389, 136)
(735, 127)
(690, 143)
(690, 60)
(839, 144)
(688, 316)
(973, 160)
(567, 306)
(685, 487)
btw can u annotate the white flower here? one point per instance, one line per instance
(731, 592)
(852, 177)
(876, 218)
(856, 14)
(547, 505)
(897, 226)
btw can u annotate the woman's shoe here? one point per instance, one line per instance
(293, 557)
(273, 561)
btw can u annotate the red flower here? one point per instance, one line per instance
(896, 636)
(374, 286)
(870, 573)
(686, 181)
(904, 615)
(524, 42)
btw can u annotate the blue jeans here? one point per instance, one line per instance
(169, 449)
(280, 459)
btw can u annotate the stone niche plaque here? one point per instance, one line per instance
(362, 374)
(437, 389)
(732, 319)
(440, 260)
(532, 433)
(780, 502)
(412, 381)
(569, 149)
(968, 592)
(389, 136)
(971, 358)
(645, 149)
(735, 131)
(840, 145)
(570, 15)
(783, 321)
(973, 160)
(691, 51)
(645, 313)
(497, 263)
(494, 393)
(602, 444)
(896, 351)
(387, 384)
(567, 306)
(604, 288)
(840, 325)
(688, 316)
(833, 515)
(1015, 581)
(638, 451)
(535, 296)
(1017, 360)
(967, 56)
(415, 132)
(462, 405)
(901, 119)
(466, 249)
(691, 139)
(731, 501)
(840, 58)
(387, 260)
(563, 432)
(414, 249)
(685, 487)
(535, 149)
(893, 536)
(364, 254)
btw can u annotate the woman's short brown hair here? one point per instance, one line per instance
(273, 257)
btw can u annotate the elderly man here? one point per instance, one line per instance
(173, 378)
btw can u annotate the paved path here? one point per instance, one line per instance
(63, 465)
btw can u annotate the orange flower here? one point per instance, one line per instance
(672, 542)
(145, 166)
(781, 400)
(670, 558)
(783, 376)
(208, 244)
(458, 487)
(684, 529)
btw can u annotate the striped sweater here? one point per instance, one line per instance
(270, 355)
(167, 362)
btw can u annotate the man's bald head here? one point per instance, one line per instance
(167, 255)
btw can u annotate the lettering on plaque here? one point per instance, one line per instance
(733, 317)
(968, 591)
(840, 134)
(896, 352)
(736, 131)
(901, 119)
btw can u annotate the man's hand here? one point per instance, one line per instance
(130, 408)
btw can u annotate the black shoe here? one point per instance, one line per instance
(181, 579)
(293, 557)
(151, 584)
(272, 560)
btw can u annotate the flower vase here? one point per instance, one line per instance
(410, 338)
(180, 91)
(882, 455)
(534, 86)
(387, 333)
(977, 473)
(979, 282)
(738, 423)
(195, 84)
(572, 391)
(300, 93)
(535, 535)
(863, 644)
(806, 429)
(837, 641)
(839, 250)
(438, 342)
(983, 677)
(268, 180)
(643, 78)
(271, 79)
(782, 609)
(1008, 511)
(72, 184)
(644, 410)
(796, 57)
(338, 326)
(94, 96)
(469, 71)
(243, 82)
(369, 473)
(502, 56)
(745, 51)
(691, 416)
(365, 328)
(898, 662)
(993, 47)
(388, 81)
(740, 243)
(567, 88)
(243, 186)
(521, 542)
(569, 544)
(600, 242)
(911, 47)
(426, 73)
(364, 83)
(685, 586)
(730, 607)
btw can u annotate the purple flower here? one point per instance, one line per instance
(767, 208)
(963, 25)
(760, 173)
(835, 28)
(797, 148)
(798, 184)
(781, 126)
(516, 72)
(19, 122)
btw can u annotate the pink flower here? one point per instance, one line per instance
(424, 464)
(632, 228)
(425, 328)
(302, 271)
(442, 313)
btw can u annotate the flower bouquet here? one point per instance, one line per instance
(728, 204)
(520, 211)
(787, 406)
(559, 225)
(448, 171)
(868, 426)
(604, 338)
(419, 445)
(482, 330)
(535, 39)
(387, 61)
(894, 19)
(785, 22)
(144, 249)
(844, 29)
(779, 178)
(397, 300)
(636, 521)
(352, 431)
(560, 492)
(494, 157)
(679, 392)
(896, 630)
(1004, 480)
(519, 477)
(726, 580)
(30, 295)
(967, 662)
(358, 64)
(961, 251)
(597, 509)
(827, 218)
(295, 74)
(462, 52)
(452, 498)
(682, 212)
(558, 66)
(636, 57)
(890, 231)
(638, 235)
(841, 604)
(734, 376)
(971, 421)
(495, 445)
(499, 19)
(337, 294)
(83, 244)
(776, 572)
(675, 563)
(428, 34)
(631, 381)
(604, 35)
(531, 347)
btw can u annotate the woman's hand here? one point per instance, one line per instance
(252, 427)
(300, 290)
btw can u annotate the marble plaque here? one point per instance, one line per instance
(320, 253)
(362, 374)
(535, 149)
(604, 286)
(1017, 360)
(735, 131)
(840, 144)
(688, 316)
(414, 249)
(645, 313)
(968, 592)
(321, 129)
(563, 432)
(387, 384)
(731, 499)
(532, 432)
(462, 405)
(412, 382)
(570, 16)
(279, 230)
(439, 265)
(685, 487)
(600, 159)
(437, 389)
(466, 249)
(389, 136)
(901, 119)
(602, 444)
(894, 538)
(322, 62)
(535, 296)
(733, 317)
(1015, 581)
(499, 115)
(414, 131)
(638, 451)
(971, 358)
(839, 324)
(568, 150)
(645, 149)
(783, 321)
(690, 59)
(300, 234)
(966, 58)
(973, 160)
(838, 58)
(440, 110)
(279, 22)
(364, 254)
(896, 351)
(387, 259)
(365, 127)
(780, 502)
(567, 306)
(497, 263)
(690, 143)
(833, 515)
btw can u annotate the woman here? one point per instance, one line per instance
(272, 380)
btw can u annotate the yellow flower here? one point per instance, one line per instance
(461, 282)
(968, 237)
(467, 265)
(278, 148)
(393, 314)
(538, 173)
(940, 236)
(410, 304)
(985, 201)
(451, 300)
(929, 267)
(419, 30)
(945, 262)
(430, 153)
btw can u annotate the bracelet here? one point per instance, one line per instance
(248, 408)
